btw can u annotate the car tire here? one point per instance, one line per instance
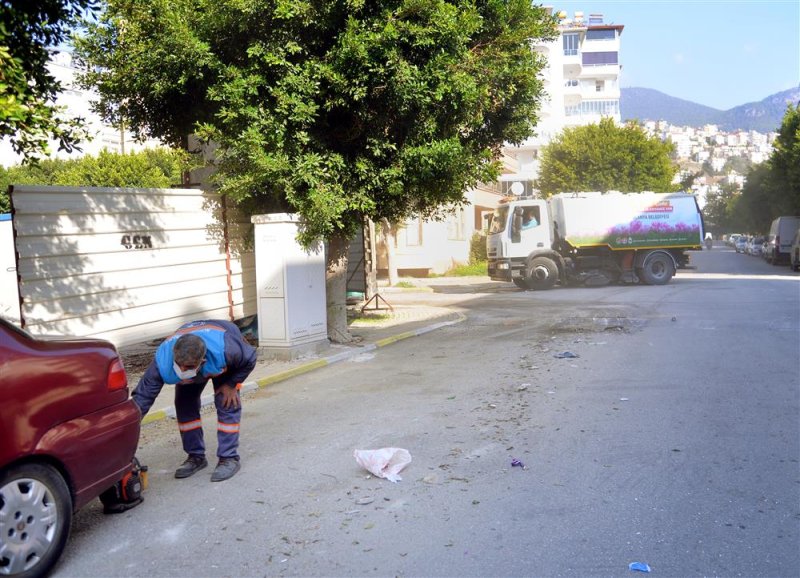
(657, 269)
(35, 519)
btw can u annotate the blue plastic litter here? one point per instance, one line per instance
(566, 355)
(639, 567)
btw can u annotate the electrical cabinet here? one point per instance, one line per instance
(291, 285)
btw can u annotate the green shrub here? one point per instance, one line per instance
(159, 168)
(477, 248)
(471, 270)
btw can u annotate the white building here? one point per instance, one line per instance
(78, 103)
(683, 144)
(581, 80)
(718, 163)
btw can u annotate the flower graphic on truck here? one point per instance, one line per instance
(652, 227)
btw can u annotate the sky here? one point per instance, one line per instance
(715, 53)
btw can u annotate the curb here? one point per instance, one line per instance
(208, 399)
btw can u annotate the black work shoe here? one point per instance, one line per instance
(226, 468)
(190, 466)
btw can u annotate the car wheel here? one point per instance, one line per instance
(35, 519)
(658, 269)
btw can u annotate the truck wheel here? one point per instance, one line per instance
(541, 273)
(658, 269)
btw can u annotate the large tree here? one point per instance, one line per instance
(772, 188)
(28, 113)
(784, 163)
(719, 210)
(336, 110)
(606, 157)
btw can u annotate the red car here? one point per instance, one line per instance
(68, 432)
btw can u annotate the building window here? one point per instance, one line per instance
(571, 42)
(573, 82)
(411, 233)
(600, 58)
(603, 34)
(456, 226)
(599, 85)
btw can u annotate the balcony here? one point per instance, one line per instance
(600, 70)
(572, 94)
(571, 64)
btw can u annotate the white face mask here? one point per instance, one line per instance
(184, 375)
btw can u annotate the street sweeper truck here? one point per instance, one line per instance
(593, 238)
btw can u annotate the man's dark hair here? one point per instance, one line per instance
(189, 350)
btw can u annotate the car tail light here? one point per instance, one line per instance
(117, 378)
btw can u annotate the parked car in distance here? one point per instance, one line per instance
(754, 245)
(741, 244)
(69, 432)
(779, 239)
(794, 254)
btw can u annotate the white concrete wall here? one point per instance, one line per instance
(127, 265)
(9, 295)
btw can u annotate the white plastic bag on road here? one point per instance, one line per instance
(385, 462)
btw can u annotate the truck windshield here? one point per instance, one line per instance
(499, 219)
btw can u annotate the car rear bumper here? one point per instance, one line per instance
(96, 449)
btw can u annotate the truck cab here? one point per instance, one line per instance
(517, 229)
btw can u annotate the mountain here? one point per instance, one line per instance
(763, 116)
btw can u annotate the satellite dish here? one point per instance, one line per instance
(517, 188)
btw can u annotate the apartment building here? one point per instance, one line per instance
(77, 103)
(581, 81)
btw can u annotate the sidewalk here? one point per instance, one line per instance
(411, 316)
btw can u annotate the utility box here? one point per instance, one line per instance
(292, 315)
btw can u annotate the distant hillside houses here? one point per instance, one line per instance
(709, 146)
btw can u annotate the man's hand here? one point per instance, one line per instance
(230, 396)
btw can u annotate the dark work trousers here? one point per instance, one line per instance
(187, 410)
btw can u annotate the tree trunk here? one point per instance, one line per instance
(336, 290)
(388, 240)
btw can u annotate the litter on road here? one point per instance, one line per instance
(639, 567)
(566, 355)
(385, 463)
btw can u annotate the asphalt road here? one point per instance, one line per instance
(672, 439)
